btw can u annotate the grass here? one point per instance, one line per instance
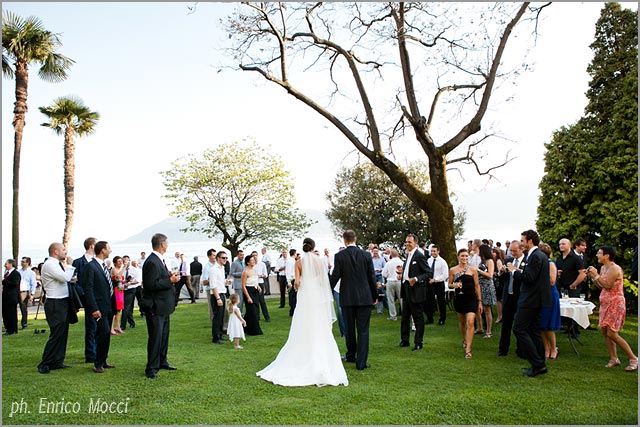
(215, 384)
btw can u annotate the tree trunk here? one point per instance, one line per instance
(22, 81)
(69, 182)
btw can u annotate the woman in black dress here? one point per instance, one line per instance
(464, 279)
(251, 291)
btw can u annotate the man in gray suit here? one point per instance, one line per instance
(237, 267)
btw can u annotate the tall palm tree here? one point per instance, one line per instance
(69, 116)
(26, 42)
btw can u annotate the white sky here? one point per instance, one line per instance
(147, 69)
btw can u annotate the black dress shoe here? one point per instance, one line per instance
(440, 322)
(108, 366)
(151, 375)
(344, 359)
(501, 354)
(362, 368)
(403, 344)
(267, 320)
(23, 328)
(417, 347)
(168, 368)
(98, 369)
(535, 372)
(43, 369)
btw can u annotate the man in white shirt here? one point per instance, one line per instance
(55, 278)
(392, 273)
(261, 271)
(290, 273)
(266, 259)
(204, 279)
(217, 282)
(27, 288)
(133, 279)
(440, 271)
(281, 266)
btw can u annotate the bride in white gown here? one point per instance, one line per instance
(310, 356)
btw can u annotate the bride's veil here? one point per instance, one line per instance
(314, 274)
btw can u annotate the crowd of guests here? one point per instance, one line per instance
(523, 281)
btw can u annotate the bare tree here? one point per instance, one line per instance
(369, 67)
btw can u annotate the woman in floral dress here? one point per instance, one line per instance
(612, 306)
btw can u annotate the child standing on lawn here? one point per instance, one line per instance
(235, 329)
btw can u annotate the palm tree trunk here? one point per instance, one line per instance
(22, 81)
(69, 182)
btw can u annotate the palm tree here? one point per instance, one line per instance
(69, 116)
(26, 42)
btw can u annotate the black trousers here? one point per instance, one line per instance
(293, 299)
(57, 312)
(103, 340)
(263, 303)
(411, 309)
(218, 317)
(90, 327)
(10, 313)
(527, 332)
(158, 327)
(509, 308)
(357, 319)
(430, 303)
(282, 281)
(127, 312)
(438, 289)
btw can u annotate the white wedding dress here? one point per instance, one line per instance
(310, 356)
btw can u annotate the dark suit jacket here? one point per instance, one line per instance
(535, 291)
(354, 268)
(517, 279)
(80, 264)
(421, 271)
(158, 295)
(97, 292)
(11, 287)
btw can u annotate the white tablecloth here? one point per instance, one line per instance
(577, 310)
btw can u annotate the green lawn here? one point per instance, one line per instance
(215, 384)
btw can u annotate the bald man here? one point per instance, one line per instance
(55, 275)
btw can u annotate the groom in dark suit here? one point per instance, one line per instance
(353, 267)
(535, 293)
(413, 291)
(158, 302)
(99, 302)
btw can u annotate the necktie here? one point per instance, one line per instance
(433, 263)
(106, 273)
(515, 264)
(6, 274)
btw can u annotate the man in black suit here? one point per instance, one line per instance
(510, 295)
(353, 267)
(90, 325)
(413, 291)
(10, 297)
(99, 303)
(535, 293)
(158, 302)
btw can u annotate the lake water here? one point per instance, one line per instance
(190, 249)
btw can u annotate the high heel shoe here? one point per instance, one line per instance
(556, 356)
(633, 365)
(614, 362)
(114, 333)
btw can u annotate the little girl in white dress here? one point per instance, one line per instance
(235, 329)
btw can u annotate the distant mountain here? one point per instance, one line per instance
(171, 227)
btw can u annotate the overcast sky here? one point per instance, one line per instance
(147, 69)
